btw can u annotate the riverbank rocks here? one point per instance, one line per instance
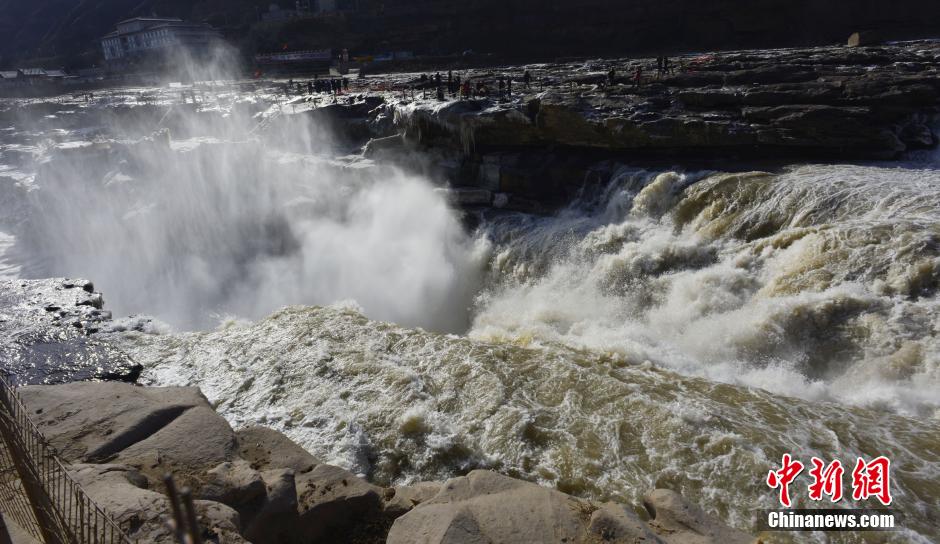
(485, 507)
(154, 430)
(143, 513)
(256, 485)
(334, 502)
(266, 448)
(93, 421)
(678, 521)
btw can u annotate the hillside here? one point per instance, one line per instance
(68, 29)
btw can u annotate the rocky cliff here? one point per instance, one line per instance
(835, 102)
(545, 140)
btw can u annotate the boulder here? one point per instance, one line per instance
(403, 498)
(233, 483)
(615, 524)
(275, 519)
(143, 513)
(332, 502)
(265, 501)
(189, 446)
(678, 521)
(155, 430)
(267, 449)
(863, 39)
(485, 507)
(95, 421)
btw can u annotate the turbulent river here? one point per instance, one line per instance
(675, 328)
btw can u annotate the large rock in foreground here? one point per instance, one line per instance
(154, 430)
(143, 513)
(485, 507)
(258, 486)
(255, 485)
(686, 523)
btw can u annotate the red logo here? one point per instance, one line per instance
(869, 480)
(872, 480)
(783, 477)
(827, 480)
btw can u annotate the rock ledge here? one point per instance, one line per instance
(256, 485)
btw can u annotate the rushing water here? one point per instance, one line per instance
(673, 329)
(818, 282)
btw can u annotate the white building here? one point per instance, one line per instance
(143, 35)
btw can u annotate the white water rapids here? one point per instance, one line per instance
(677, 329)
(819, 282)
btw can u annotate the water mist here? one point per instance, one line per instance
(190, 214)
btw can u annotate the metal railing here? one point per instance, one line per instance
(36, 491)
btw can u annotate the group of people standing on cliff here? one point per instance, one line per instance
(664, 67)
(455, 85)
(469, 87)
(332, 86)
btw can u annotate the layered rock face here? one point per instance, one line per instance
(255, 485)
(536, 147)
(834, 102)
(540, 145)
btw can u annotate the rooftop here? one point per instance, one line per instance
(151, 19)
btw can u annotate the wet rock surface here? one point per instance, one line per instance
(236, 502)
(49, 333)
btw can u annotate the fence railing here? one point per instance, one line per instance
(36, 491)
